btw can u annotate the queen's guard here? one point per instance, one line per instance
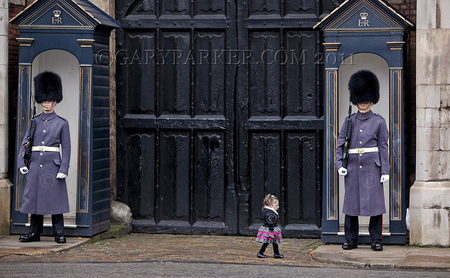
(368, 161)
(47, 165)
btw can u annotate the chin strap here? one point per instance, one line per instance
(367, 109)
(48, 107)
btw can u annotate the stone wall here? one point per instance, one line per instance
(5, 186)
(5, 206)
(3, 88)
(430, 202)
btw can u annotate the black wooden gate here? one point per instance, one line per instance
(218, 103)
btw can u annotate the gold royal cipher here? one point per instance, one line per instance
(363, 22)
(56, 18)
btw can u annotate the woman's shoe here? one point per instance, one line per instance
(261, 255)
(278, 256)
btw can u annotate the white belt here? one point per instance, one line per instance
(44, 149)
(363, 150)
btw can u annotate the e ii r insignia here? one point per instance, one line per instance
(56, 18)
(363, 22)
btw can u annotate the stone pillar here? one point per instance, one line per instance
(430, 194)
(5, 206)
(4, 34)
(5, 184)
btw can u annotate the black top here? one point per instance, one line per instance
(270, 218)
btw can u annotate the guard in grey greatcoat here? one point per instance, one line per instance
(368, 162)
(45, 190)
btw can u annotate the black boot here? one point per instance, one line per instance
(376, 246)
(349, 245)
(60, 239)
(30, 237)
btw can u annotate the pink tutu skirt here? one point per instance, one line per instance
(265, 235)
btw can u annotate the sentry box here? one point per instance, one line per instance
(71, 38)
(364, 34)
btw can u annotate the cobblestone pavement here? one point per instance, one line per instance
(166, 247)
(116, 245)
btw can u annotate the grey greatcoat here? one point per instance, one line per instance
(44, 193)
(363, 191)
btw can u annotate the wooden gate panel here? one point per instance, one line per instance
(300, 65)
(141, 176)
(175, 74)
(265, 172)
(264, 7)
(264, 74)
(302, 172)
(131, 192)
(209, 7)
(296, 7)
(139, 57)
(210, 177)
(148, 176)
(209, 92)
(175, 7)
(174, 176)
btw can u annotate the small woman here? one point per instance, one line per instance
(269, 231)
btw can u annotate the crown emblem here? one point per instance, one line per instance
(56, 13)
(364, 15)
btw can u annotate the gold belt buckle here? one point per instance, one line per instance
(361, 150)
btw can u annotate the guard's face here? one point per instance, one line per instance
(48, 106)
(365, 106)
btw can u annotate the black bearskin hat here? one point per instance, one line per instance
(47, 86)
(363, 86)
